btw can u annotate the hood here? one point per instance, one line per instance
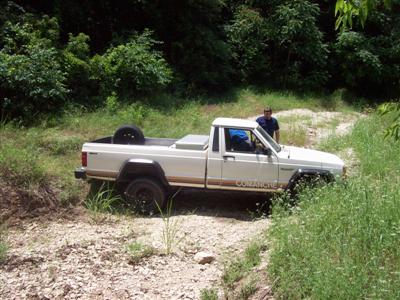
(311, 156)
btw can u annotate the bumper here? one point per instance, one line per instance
(80, 173)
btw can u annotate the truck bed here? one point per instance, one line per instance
(183, 161)
(188, 142)
(147, 141)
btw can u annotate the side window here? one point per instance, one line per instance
(239, 140)
(215, 146)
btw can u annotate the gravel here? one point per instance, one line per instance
(76, 259)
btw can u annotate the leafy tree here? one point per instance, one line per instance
(345, 11)
(193, 41)
(358, 65)
(31, 78)
(247, 35)
(300, 54)
(78, 69)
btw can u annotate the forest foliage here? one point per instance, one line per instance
(58, 53)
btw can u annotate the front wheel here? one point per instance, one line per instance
(146, 195)
(306, 181)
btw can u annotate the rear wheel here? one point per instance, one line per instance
(146, 195)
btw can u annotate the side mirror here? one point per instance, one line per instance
(267, 151)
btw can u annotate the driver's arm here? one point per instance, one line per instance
(277, 136)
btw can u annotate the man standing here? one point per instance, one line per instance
(269, 123)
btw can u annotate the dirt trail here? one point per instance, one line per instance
(317, 125)
(72, 258)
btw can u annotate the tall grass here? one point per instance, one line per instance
(171, 228)
(209, 294)
(343, 240)
(19, 164)
(101, 203)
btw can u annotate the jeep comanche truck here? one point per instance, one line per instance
(147, 168)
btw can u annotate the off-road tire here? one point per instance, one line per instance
(144, 194)
(128, 135)
(305, 180)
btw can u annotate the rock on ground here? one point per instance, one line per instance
(204, 257)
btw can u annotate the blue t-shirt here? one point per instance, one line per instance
(269, 126)
(238, 135)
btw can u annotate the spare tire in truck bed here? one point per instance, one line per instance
(128, 135)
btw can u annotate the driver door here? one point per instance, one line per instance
(247, 170)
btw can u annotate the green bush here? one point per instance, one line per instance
(78, 69)
(31, 78)
(195, 43)
(112, 103)
(132, 68)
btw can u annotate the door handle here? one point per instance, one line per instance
(228, 157)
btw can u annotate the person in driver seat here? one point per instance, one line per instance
(239, 140)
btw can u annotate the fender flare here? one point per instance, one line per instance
(325, 174)
(133, 168)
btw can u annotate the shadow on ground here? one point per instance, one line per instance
(238, 205)
(243, 206)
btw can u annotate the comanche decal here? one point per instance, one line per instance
(256, 184)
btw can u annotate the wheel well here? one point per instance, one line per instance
(309, 174)
(133, 169)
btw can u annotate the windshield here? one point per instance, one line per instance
(269, 139)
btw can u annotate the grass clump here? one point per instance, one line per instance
(237, 268)
(3, 244)
(209, 294)
(137, 251)
(342, 240)
(100, 203)
(247, 289)
(171, 228)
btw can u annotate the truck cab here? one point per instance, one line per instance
(265, 165)
(255, 168)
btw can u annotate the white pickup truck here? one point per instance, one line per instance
(147, 168)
